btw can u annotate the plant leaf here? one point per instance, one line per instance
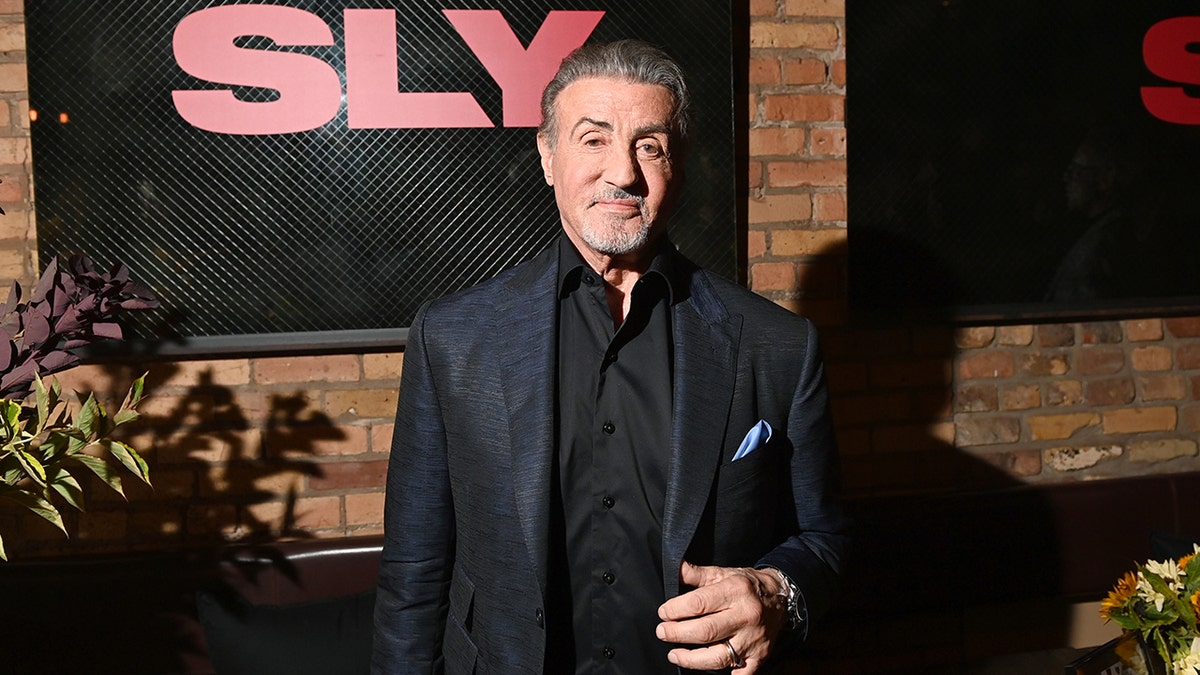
(36, 504)
(3, 553)
(101, 468)
(130, 459)
(32, 466)
(85, 421)
(66, 485)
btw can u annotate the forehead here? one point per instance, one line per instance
(614, 101)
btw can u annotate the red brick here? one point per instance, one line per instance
(829, 142)
(287, 369)
(13, 77)
(972, 431)
(820, 173)
(757, 175)
(1118, 391)
(381, 438)
(12, 7)
(205, 519)
(318, 512)
(793, 35)
(1021, 397)
(773, 276)
(14, 150)
(763, 8)
(807, 242)
(838, 72)
(990, 364)
(319, 440)
(974, 337)
(361, 403)
(1060, 392)
(904, 438)
(804, 71)
(365, 508)
(1143, 330)
(976, 398)
(1041, 365)
(1189, 418)
(815, 7)
(1163, 387)
(779, 208)
(1187, 357)
(1139, 420)
(203, 373)
(806, 107)
(1014, 336)
(103, 526)
(1057, 427)
(1056, 335)
(1183, 327)
(764, 70)
(1018, 463)
(386, 366)
(1154, 357)
(348, 475)
(1101, 332)
(777, 141)
(1099, 361)
(756, 244)
(829, 206)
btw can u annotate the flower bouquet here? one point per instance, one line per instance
(1160, 601)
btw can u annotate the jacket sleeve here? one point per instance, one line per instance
(812, 557)
(418, 549)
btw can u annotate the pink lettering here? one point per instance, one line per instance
(309, 89)
(372, 97)
(1165, 51)
(521, 73)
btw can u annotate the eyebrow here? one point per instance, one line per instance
(607, 126)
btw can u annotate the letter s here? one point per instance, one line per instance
(310, 92)
(1165, 51)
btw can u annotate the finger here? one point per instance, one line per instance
(698, 602)
(698, 631)
(709, 657)
(701, 575)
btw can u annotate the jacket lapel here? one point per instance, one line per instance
(526, 330)
(706, 340)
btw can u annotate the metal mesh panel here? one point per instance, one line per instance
(966, 119)
(336, 228)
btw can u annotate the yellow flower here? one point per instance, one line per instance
(1120, 594)
(1196, 604)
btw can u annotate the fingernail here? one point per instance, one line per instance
(660, 632)
(672, 658)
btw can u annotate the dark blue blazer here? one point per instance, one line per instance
(463, 576)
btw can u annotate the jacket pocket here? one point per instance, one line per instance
(457, 647)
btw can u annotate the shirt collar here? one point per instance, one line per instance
(663, 268)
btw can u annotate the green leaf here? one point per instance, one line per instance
(125, 416)
(32, 466)
(85, 421)
(101, 468)
(130, 458)
(67, 486)
(135, 392)
(3, 553)
(36, 504)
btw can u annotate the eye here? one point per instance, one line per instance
(649, 149)
(592, 140)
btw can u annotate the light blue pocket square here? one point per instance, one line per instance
(758, 436)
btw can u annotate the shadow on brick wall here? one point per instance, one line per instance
(947, 543)
(225, 468)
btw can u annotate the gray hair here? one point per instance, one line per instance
(630, 61)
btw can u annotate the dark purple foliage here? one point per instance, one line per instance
(73, 305)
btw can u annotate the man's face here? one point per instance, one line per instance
(611, 166)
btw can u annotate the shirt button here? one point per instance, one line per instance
(589, 280)
(609, 428)
(609, 653)
(610, 358)
(608, 502)
(540, 618)
(608, 577)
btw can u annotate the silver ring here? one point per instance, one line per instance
(735, 661)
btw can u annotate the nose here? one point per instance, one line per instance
(621, 167)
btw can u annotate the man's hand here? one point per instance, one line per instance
(737, 604)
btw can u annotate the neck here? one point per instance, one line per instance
(620, 273)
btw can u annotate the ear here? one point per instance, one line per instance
(547, 154)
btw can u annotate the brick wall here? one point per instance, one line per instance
(256, 448)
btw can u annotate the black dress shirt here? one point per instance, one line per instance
(613, 455)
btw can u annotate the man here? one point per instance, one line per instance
(589, 435)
